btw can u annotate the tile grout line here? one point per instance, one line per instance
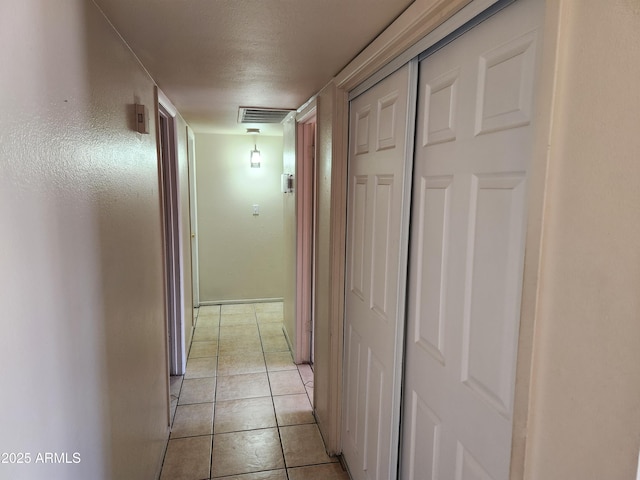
(215, 395)
(214, 390)
(172, 416)
(273, 405)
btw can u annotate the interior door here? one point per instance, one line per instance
(473, 148)
(376, 273)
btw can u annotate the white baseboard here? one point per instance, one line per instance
(244, 300)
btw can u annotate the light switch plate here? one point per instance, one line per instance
(286, 183)
(142, 119)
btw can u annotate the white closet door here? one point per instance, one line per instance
(473, 148)
(375, 274)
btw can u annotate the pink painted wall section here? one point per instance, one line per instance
(81, 297)
(289, 234)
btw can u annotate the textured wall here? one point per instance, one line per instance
(240, 255)
(81, 294)
(585, 408)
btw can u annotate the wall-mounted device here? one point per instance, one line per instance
(287, 183)
(142, 119)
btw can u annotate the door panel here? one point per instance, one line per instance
(433, 211)
(377, 171)
(381, 254)
(473, 146)
(358, 221)
(495, 251)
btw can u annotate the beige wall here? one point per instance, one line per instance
(585, 412)
(240, 255)
(81, 294)
(289, 234)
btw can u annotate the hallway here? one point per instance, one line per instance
(243, 410)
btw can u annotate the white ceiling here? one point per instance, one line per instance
(212, 56)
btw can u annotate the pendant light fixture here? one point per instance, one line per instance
(254, 158)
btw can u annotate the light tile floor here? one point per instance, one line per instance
(243, 410)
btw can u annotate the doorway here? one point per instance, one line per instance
(171, 232)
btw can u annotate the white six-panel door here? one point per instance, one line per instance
(473, 148)
(375, 275)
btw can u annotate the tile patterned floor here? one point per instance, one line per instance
(243, 409)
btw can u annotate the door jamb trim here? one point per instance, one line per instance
(175, 349)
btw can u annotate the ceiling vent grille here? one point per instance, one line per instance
(262, 115)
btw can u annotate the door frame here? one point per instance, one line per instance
(172, 236)
(417, 29)
(193, 211)
(305, 234)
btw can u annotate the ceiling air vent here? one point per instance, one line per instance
(262, 115)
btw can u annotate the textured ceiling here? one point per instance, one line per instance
(212, 56)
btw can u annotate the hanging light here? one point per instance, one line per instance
(255, 158)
